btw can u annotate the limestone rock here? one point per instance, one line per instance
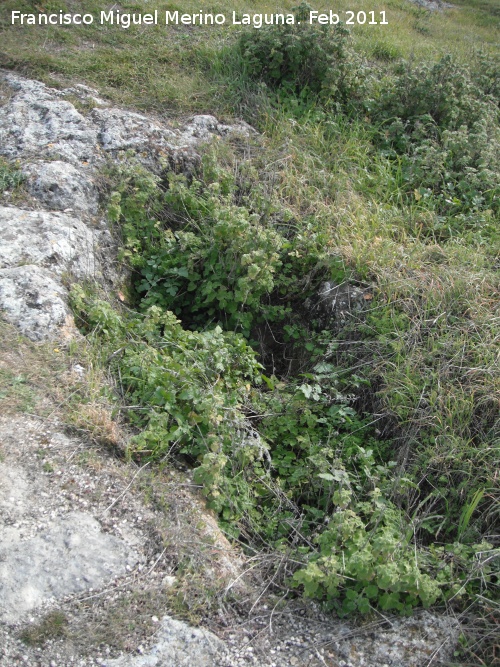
(334, 303)
(31, 299)
(36, 122)
(120, 130)
(203, 127)
(85, 94)
(72, 555)
(13, 492)
(405, 642)
(61, 186)
(57, 242)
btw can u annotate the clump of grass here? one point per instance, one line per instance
(10, 176)
(50, 627)
(96, 419)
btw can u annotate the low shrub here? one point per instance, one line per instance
(440, 126)
(188, 385)
(304, 59)
(197, 252)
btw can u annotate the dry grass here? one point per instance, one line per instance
(172, 69)
(30, 373)
(50, 627)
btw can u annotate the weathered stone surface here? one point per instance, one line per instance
(203, 127)
(13, 491)
(61, 186)
(55, 241)
(90, 97)
(72, 555)
(177, 644)
(36, 122)
(31, 299)
(153, 141)
(60, 150)
(120, 129)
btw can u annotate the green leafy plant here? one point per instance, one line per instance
(303, 59)
(302, 474)
(366, 559)
(212, 259)
(443, 132)
(189, 385)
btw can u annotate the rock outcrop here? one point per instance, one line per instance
(336, 303)
(60, 151)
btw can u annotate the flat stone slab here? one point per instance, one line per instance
(73, 555)
(36, 121)
(13, 491)
(424, 639)
(39, 123)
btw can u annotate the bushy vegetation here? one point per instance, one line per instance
(361, 451)
(439, 123)
(304, 60)
(213, 261)
(285, 459)
(311, 481)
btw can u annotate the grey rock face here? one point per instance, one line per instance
(72, 555)
(203, 127)
(86, 94)
(177, 644)
(36, 122)
(32, 300)
(55, 241)
(61, 186)
(120, 129)
(13, 491)
(60, 150)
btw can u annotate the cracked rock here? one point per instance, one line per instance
(177, 644)
(36, 122)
